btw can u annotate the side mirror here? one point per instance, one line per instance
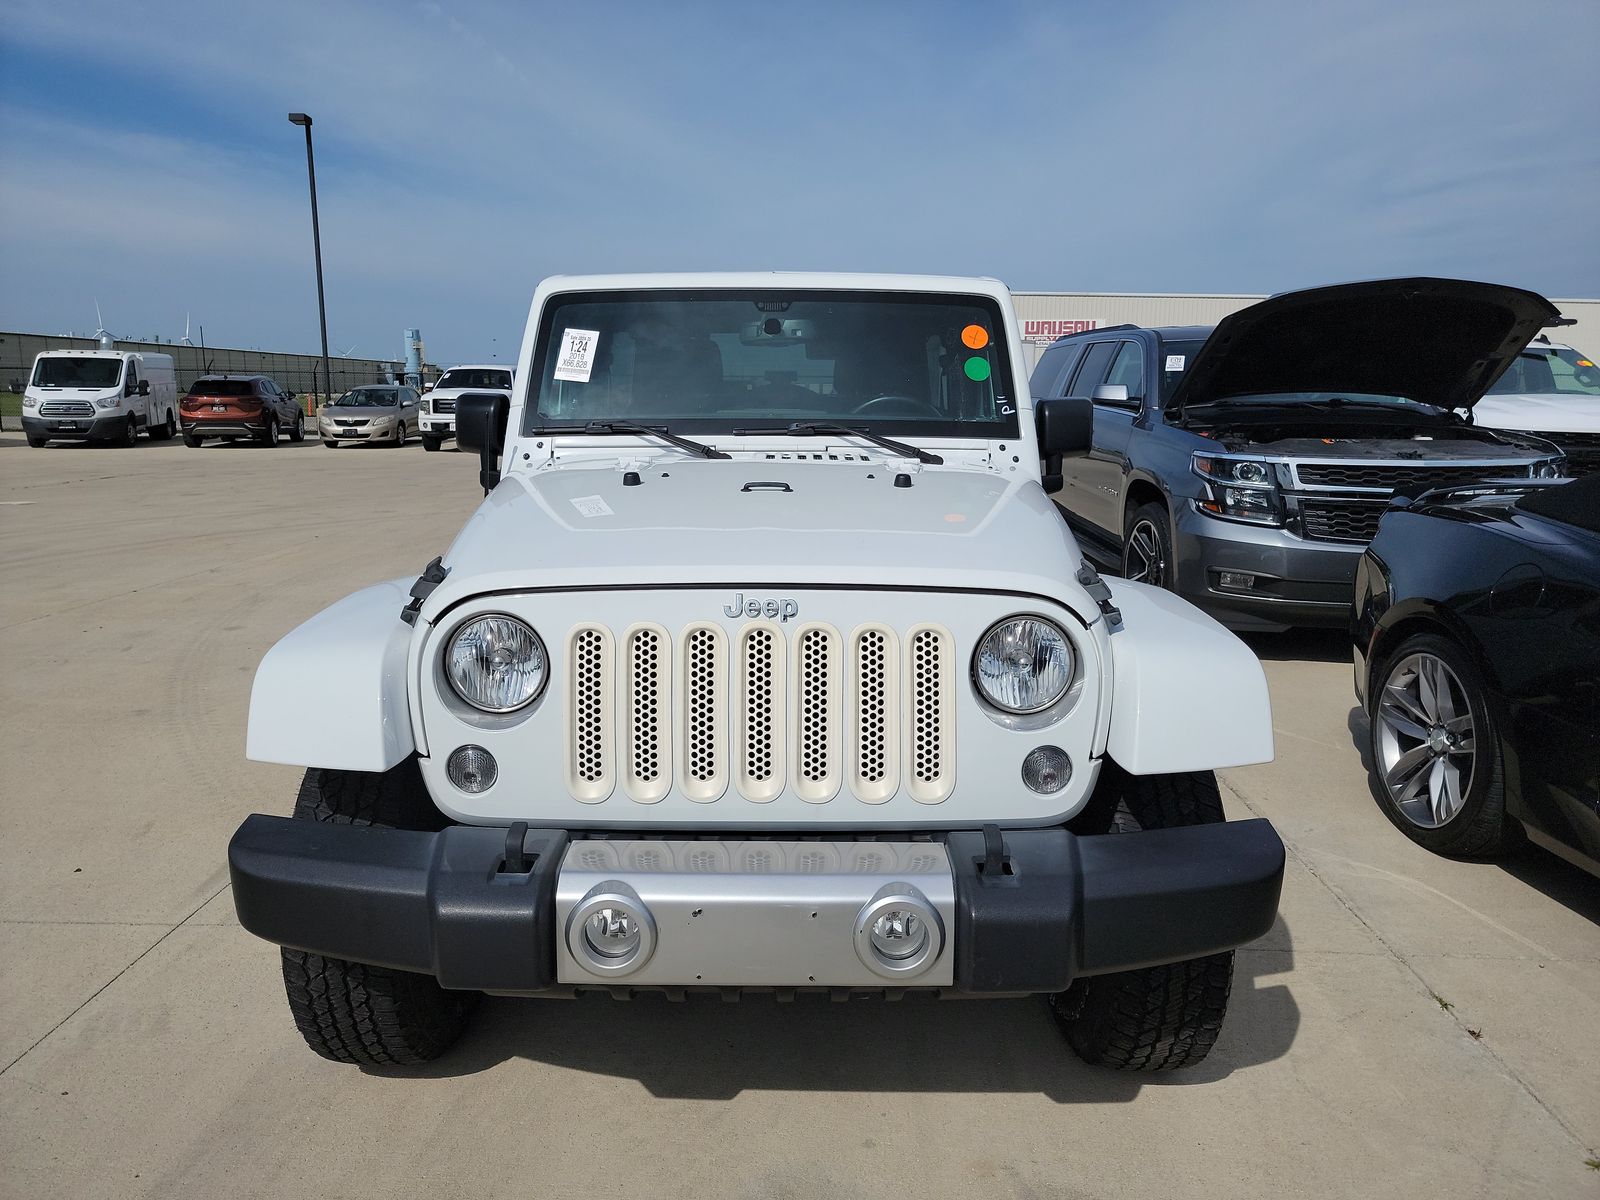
(290, 396)
(1114, 394)
(481, 426)
(144, 387)
(1064, 426)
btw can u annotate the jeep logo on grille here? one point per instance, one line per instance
(780, 610)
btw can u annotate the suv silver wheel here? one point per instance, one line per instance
(1144, 560)
(1426, 743)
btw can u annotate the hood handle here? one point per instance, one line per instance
(766, 485)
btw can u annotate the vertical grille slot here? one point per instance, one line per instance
(759, 707)
(874, 714)
(818, 695)
(930, 676)
(589, 741)
(646, 713)
(703, 712)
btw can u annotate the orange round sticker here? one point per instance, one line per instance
(975, 337)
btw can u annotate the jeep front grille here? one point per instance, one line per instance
(798, 709)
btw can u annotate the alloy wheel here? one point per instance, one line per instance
(1426, 744)
(1144, 560)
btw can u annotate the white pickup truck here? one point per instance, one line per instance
(439, 405)
(100, 396)
(767, 664)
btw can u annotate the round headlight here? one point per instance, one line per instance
(1250, 472)
(496, 664)
(1023, 664)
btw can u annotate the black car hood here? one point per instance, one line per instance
(1436, 341)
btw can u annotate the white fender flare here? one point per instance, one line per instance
(332, 692)
(1186, 694)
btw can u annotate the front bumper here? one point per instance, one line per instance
(76, 429)
(439, 424)
(1297, 581)
(478, 908)
(361, 433)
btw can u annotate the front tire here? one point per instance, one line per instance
(1437, 771)
(36, 442)
(400, 434)
(1158, 1018)
(431, 443)
(130, 433)
(354, 1012)
(331, 445)
(1147, 547)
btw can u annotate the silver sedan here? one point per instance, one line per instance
(377, 412)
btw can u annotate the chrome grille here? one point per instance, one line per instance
(444, 406)
(66, 408)
(774, 710)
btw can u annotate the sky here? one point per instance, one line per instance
(466, 150)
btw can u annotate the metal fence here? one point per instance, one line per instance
(299, 373)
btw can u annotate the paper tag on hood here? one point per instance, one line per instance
(576, 359)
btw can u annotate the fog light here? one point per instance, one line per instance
(898, 933)
(1046, 769)
(472, 769)
(1236, 579)
(611, 932)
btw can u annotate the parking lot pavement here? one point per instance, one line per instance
(1410, 1027)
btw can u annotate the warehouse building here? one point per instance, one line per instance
(1045, 316)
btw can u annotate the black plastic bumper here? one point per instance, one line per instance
(82, 428)
(449, 904)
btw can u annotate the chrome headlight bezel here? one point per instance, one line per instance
(448, 664)
(1068, 675)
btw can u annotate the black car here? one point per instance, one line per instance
(1477, 653)
(1245, 467)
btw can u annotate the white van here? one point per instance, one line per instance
(101, 396)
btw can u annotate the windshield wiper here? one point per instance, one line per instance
(611, 427)
(822, 428)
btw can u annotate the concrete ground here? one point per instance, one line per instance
(1412, 1027)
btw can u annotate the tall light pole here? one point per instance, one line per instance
(304, 120)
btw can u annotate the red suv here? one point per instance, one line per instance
(236, 406)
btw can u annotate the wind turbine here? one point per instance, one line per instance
(346, 354)
(102, 335)
(185, 341)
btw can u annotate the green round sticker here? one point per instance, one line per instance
(977, 369)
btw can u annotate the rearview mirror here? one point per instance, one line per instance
(1064, 426)
(481, 426)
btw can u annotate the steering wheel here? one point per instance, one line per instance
(898, 406)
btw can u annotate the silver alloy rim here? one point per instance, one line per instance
(1145, 562)
(1427, 747)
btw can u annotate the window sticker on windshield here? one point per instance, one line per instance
(1174, 362)
(592, 506)
(576, 360)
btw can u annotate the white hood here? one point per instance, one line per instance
(730, 522)
(1539, 413)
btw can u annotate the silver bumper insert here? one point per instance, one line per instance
(755, 914)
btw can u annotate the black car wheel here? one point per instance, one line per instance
(1435, 749)
(1147, 547)
(130, 433)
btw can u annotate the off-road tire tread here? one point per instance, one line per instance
(1158, 1018)
(355, 1012)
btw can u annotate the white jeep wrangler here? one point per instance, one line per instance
(767, 664)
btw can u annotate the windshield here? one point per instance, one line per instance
(222, 387)
(77, 372)
(368, 398)
(1547, 371)
(709, 361)
(468, 377)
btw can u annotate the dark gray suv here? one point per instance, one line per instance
(1246, 467)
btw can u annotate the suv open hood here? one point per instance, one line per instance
(1436, 341)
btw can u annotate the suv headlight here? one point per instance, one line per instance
(496, 664)
(1023, 664)
(1549, 469)
(1242, 489)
